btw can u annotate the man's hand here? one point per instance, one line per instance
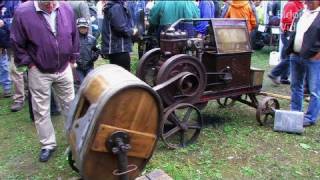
(1, 23)
(73, 65)
(316, 57)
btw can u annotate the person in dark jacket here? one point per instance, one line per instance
(134, 8)
(304, 50)
(6, 13)
(117, 31)
(47, 42)
(88, 50)
(7, 9)
(217, 8)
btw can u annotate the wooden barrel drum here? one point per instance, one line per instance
(115, 118)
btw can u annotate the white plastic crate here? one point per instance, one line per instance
(288, 121)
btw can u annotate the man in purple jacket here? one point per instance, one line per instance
(45, 39)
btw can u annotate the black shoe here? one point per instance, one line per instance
(284, 81)
(17, 106)
(45, 154)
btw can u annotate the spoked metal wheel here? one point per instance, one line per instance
(181, 126)
(265, 111)
(148, 66)
(226, 102)
(186, 89)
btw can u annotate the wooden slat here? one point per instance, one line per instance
(141, 143)
(133, 109)
(95, 88)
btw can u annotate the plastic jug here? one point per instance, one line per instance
(274, 58)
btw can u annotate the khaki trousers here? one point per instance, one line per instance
(17, 79)
(40, 85)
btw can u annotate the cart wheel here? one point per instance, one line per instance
(181, 126)
(265, 111)
(148, 66)
(226, 102)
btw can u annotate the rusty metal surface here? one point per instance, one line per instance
(149, 66)
(173, 42)
(181, 126)
(266, 109)
(212, 95)
(238, 65)
(193, 86)
(226, 102)
(172, 80)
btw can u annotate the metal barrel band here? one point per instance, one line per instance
(131, 168)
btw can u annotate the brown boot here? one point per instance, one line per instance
(16, 106)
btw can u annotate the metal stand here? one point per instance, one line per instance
(118, 144)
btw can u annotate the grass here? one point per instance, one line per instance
(232, 146)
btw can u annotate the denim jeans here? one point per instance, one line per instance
(5, 80)
(283, 68)
(81, 74)
(302, 69)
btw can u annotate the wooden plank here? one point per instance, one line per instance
(95, 88)
(141, 143)
(281, 96)
(133, 109)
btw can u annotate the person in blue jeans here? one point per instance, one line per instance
(5, 80)
(304, 50)
(282, 70)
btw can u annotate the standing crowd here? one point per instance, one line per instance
(54, 44)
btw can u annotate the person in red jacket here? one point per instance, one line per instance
(289, 12)
(280, 73)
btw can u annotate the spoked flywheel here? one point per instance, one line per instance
(188, 88)
(266, 110)
(148, 66)
(181, 126)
